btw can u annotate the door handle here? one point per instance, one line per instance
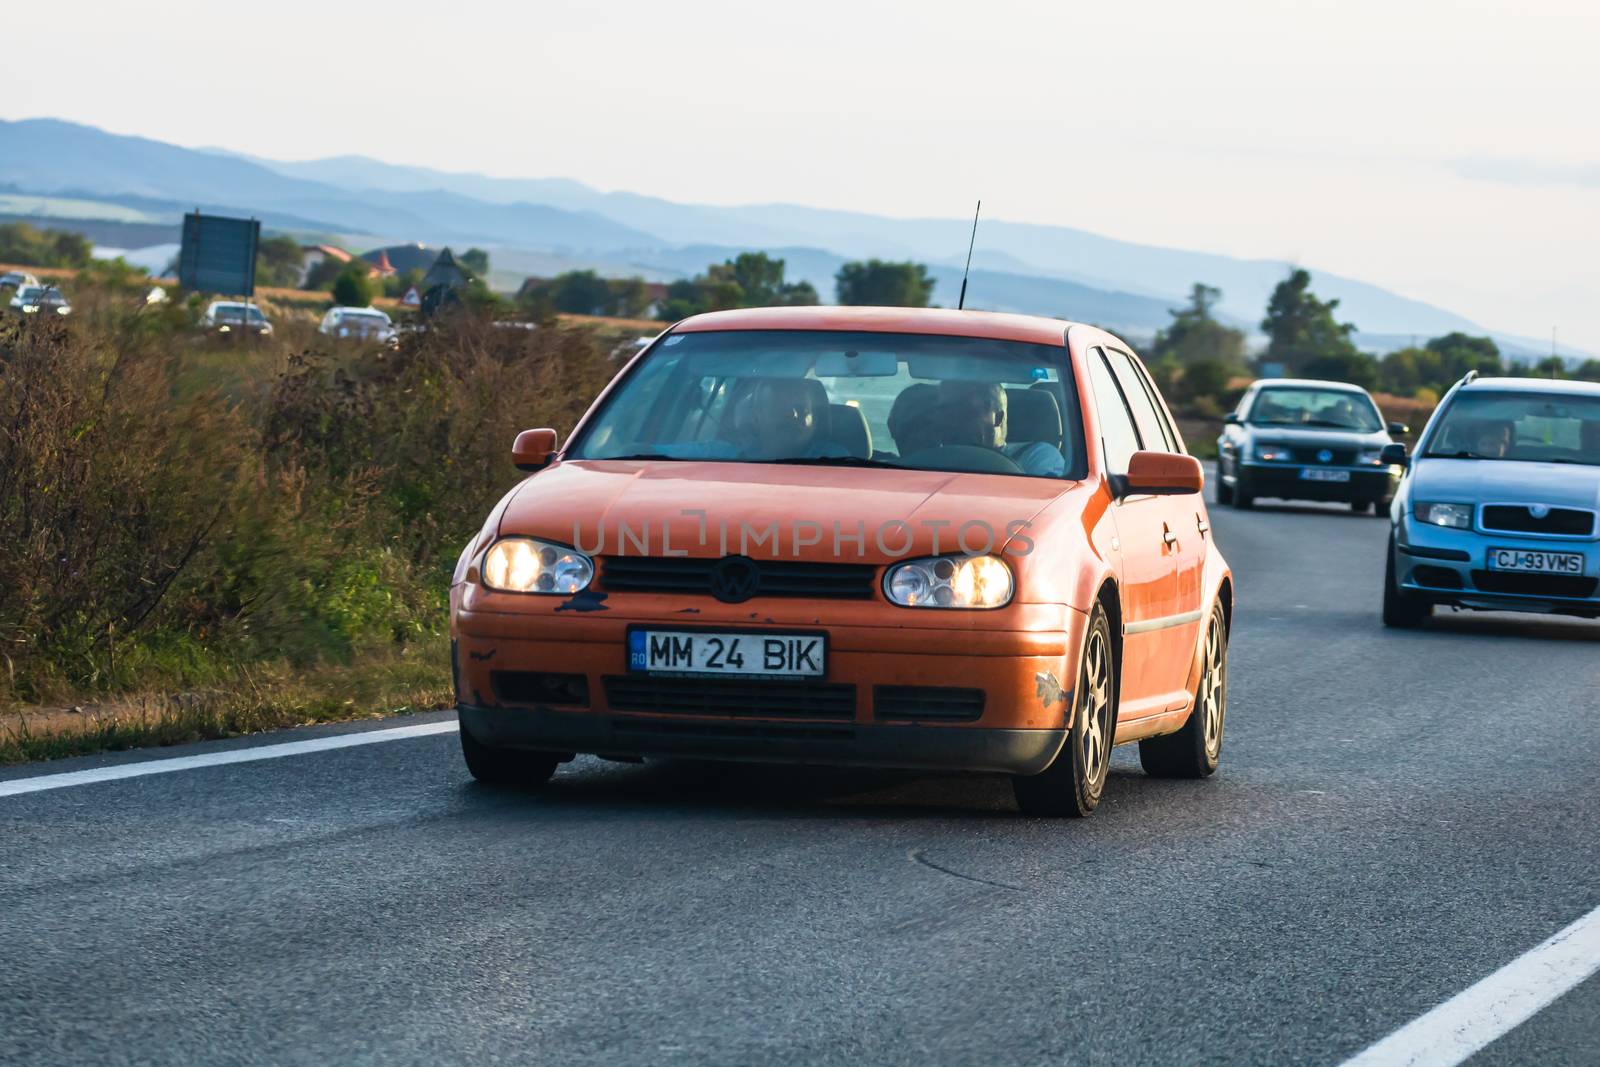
(1168, 536)
(1202, 525)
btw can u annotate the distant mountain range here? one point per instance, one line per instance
(542, 224)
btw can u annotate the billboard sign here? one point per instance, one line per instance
(218, 254)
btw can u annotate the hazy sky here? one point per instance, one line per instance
(1446, 150)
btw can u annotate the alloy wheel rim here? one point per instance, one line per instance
(1213, 703)
(1096, 708)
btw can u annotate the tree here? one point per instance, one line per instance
(475, 261)
(880, 283)
(1195, 334)
(1301, 329)
(353, 287)
(1589, 371)
(21, 243)
(751, 279)
(1459, 353)
(1354, 367)
(322, 273)
(279, 262)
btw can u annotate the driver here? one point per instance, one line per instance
(974, 414)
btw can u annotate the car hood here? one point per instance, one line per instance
(1318, 437)
(1488, 481)
(598, 504)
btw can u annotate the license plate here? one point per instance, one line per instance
(1318, 474)
(1519, 559)
(704, 653)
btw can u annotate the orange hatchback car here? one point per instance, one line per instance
(871, 536)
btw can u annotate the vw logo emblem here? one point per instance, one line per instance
(1325, 456)
(1539, 511)
(735, 579)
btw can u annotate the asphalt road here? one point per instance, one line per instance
(1397, 815)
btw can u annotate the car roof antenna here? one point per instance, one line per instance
(962, 302)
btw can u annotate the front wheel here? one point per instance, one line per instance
(1401, 610)
(507, 766)
(1195, 750)
(1073, 784)
(1224, 490)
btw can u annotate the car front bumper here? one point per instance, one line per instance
(1022, 664)
(1450, 566)
(1283, 482)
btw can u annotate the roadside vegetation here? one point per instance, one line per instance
(203, 538)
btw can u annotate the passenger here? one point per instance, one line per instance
(974, 414)
(1493, 440)
(786, 418)
(912, 421)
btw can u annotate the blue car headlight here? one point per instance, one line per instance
(1269, 453)
(1455, 516)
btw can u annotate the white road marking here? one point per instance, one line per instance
(1498, 1004)
(43, 782)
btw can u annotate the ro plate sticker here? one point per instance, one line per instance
(637, 659)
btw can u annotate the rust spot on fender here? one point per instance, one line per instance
(588, 600)
(1048, 688)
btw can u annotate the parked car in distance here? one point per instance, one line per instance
(233, 318)
(1499, 509)
(365, 324)
(1296, 439)
(40, 300)
(876, 536)
(16, 279)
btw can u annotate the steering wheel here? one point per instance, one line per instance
(968, 459)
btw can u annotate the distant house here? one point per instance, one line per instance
(381, 266)
(403, 258)
(312, 255)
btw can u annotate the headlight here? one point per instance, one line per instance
(523, 565)
(29, 309)
(224, 329)
(1455, 516)
(1274, 453)
(1372, 457)
(949, 582)
(62, 310)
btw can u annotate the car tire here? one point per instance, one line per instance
(1362, 506)
(507, 766)
(1401, 610)
(1196, 749)
(1073, 784)
(1241, 498)
(1224, 490)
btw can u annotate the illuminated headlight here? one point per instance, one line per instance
(949, 582)
(1372, 457)
(1455, 516)
(29, 309)
(523, 565)
(1274, 453)
(224, 329)
(62, 310)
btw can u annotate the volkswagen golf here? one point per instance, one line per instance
(886, 537)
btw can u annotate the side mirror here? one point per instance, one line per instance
(1393, 456)
(1399, 429)
(1162, 474)
(1232, 419)
(532, 449)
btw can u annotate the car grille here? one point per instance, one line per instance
(773, 577)
(1569, 522)
(1550, 585)
(539, 687)
(926, 703)
(1341, 457)
(732, 698)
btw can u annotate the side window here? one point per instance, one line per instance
(1147, 415)
(1121, 440)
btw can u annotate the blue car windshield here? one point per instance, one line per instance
(1315, 409)
(921, 402)
(1529, 427)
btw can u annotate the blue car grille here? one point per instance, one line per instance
(1569, 522)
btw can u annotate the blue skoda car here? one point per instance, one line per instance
(1497, 510)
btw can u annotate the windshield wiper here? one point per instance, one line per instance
(835, 461)
(640, 455)
(1462, 454)
(1335, 425)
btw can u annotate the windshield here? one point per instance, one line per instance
(1335, 409)
(1526, 427)
(236, 312)
(847, 399)
(364, 318)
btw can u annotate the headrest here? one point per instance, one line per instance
(847, 428)
(911, 418)
(1033, 415)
